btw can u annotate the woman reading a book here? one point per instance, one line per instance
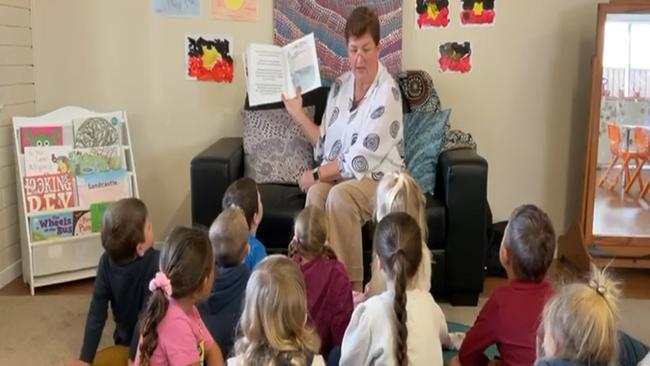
(358, 141)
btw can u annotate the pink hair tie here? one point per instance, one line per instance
(161, 282)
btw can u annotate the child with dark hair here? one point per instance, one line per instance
(402, 325)
(511, 316)
(172, 330)
(222, 310)
(124, 270)
(244, 194)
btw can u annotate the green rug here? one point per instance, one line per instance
(447, 355)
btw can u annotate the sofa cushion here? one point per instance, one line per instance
(424, 134)
(275, 148)
(417, 87)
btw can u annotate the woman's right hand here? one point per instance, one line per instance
(293, 105)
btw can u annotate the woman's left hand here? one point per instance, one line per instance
(306, 181)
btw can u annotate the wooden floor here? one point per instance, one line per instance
(621, 214)
(635, 283)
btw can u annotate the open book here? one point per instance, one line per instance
(273, 70)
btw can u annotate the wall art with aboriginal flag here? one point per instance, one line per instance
(455, 57)
(432, 13)
(478, 13)
(209, 58)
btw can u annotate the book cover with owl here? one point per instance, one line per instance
(40, 136)
(209, 58)
(237, 10)
(47, 160)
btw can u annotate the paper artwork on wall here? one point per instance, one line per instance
(238, 10)
(455, 57)
(432, 13)
(478, 13)
(209, 58)
(177, 8)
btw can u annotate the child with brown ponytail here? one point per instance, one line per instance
(329, 293)
(401, 325)
(172, 330)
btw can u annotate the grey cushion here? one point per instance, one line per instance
(275, 148)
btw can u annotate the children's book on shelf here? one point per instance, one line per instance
(96, 132)
(49, 192)
(96, 159)
(82, 223)
(47, 160)
(40, 136)
(44, 227)
(273, 70)
(102, 187)
(97, 215)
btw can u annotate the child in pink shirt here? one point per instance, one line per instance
(172, 330)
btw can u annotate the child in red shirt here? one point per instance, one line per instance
(512, 314)
(329, 293)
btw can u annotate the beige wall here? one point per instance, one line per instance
(525, 102)
(16, 98)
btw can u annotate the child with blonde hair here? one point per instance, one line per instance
(402, 325)
(172, 330)
(399, 192)
(273, 326)
(329, 293)
(580, 327)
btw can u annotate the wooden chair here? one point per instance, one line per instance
(614, 137)
(642, 150)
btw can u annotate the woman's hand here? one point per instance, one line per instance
(306, 181)
(293, 105)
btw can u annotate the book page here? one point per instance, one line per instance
(302, 65)
(265, 80)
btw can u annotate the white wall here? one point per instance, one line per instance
(525, 102)
(16, 98)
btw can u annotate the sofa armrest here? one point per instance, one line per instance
(462, 186)
(211, 172)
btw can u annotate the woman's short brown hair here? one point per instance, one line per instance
(362, 20)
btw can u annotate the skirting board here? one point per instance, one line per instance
(10, 273)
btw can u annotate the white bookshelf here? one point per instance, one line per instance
(63, 259)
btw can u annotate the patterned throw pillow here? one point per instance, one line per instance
(275, 148)
(457, 139)
(420, 93)
(424, 136)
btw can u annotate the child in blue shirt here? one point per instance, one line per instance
(244, 194)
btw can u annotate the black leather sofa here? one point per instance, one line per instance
(456, 213)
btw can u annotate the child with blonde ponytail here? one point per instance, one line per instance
(402, 325)
(580, 327)
(399, 192)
